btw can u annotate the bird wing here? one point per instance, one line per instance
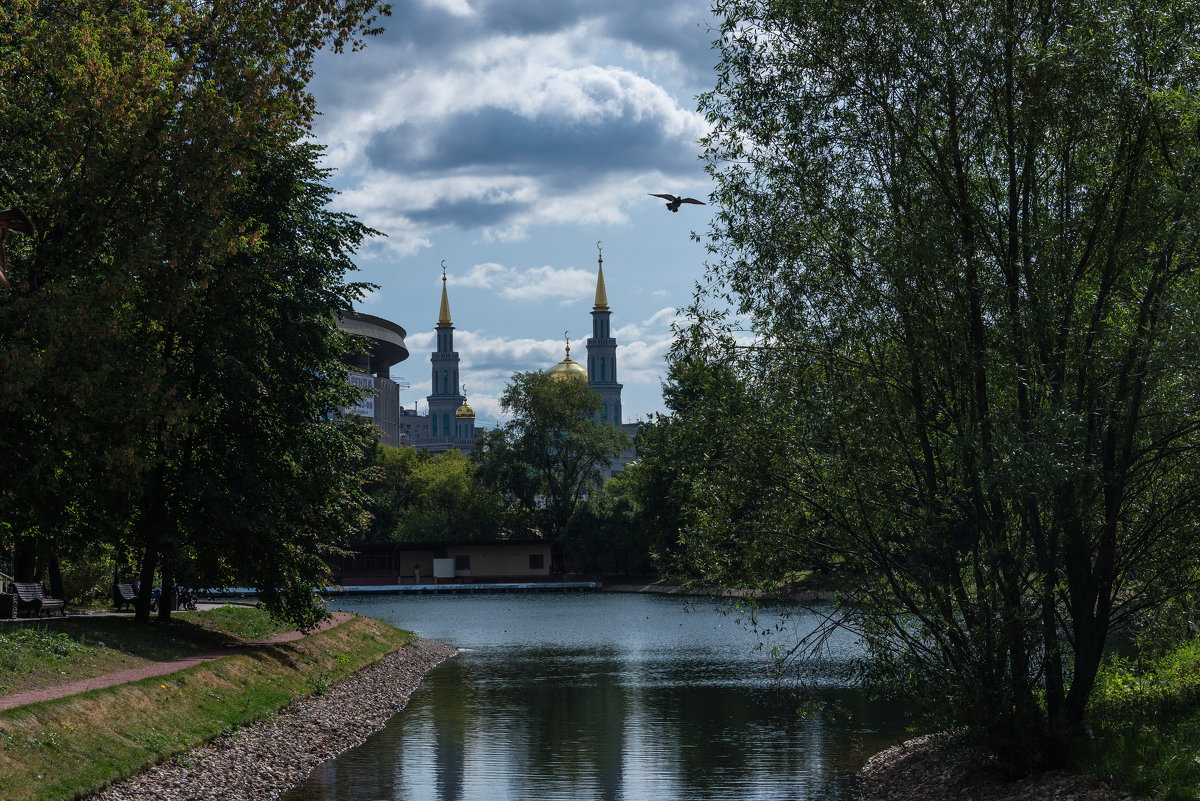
(692, 200)
(664, 197)
(16, 221)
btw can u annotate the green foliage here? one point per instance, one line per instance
(21, 644)
(1145, 726)
(418, 497)
(946, 339)
(552, 451)
(389, 489)
(613, 531)
(168, 345)
(450, 503)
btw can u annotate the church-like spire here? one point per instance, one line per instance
(601, 295)
(602, 352)
(444, 312)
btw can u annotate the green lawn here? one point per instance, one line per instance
(66, 748)
(40, 653)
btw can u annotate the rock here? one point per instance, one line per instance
(266, 759)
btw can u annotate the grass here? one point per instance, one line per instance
(1145, 734)
(41, 653)
(45, 652)
(55, 650)
(244, 622)
(66, 748)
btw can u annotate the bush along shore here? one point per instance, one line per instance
(275, 713)
(1144, 724)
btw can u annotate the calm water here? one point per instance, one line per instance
(600, 696)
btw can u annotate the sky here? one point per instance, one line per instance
(507, 138)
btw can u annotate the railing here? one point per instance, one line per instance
(4, 580)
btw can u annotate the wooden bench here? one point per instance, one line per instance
(123, 594)
(33, 598)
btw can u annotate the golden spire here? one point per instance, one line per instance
(601, 296)
(444, 312)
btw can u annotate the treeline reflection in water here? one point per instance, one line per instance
(601, 696)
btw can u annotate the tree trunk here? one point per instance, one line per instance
(166, 604)
(54, 570)
(142, 606)
(24, 560)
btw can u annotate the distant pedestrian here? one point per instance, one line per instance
(416, 574)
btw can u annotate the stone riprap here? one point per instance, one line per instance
(266, 759)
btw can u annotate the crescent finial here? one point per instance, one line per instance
(443, 269)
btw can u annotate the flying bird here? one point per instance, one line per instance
(673, 201)
(12, 221)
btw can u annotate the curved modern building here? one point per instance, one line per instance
(372, 371)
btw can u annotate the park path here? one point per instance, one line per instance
(154, 668)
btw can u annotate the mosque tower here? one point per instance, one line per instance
(445, 399)
(602, 353)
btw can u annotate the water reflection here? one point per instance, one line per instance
(606, 697)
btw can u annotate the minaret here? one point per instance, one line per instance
(602, 352)
(444, 401)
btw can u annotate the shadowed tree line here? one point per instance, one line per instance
(168, 346)
(948, 339)
(543, 474)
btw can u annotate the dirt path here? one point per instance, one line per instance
(154, 668)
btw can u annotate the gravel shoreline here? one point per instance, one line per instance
(940, 767)
(266, 759)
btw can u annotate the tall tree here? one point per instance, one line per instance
(133, 133)
(552, 451)
(965, 236)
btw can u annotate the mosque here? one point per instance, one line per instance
(450, 420)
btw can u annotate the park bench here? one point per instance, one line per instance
(123, 594)
(33, 598)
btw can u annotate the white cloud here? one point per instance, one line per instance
(656, 325)
(498, 133)
(459, 8)
(530, 284)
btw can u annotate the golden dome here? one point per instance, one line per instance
(465, 411)
(568, 368)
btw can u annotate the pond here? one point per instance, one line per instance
(613, 697)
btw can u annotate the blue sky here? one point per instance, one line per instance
(507, 137)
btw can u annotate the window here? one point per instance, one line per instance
(445, 425)
(537, 561)
(462, 562)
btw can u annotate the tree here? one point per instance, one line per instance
(618, 528)
(390, 489)
(136, 136)
(965, 239)
(419, 497)
(551, 452)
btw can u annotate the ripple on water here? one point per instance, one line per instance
(605, 697)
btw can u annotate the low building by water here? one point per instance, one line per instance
(404, 563)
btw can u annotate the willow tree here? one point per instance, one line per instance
(965, 238)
